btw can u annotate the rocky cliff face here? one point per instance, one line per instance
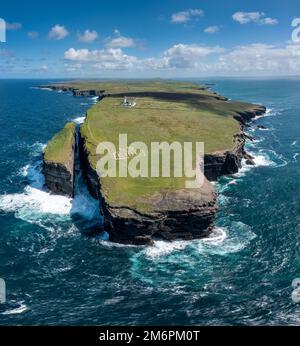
(59, 179)
(183, 214)
(230, 161)
(58, 162)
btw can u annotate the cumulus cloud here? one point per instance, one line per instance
(58, 32)
(253, 17)
(179, 56)
(109, 59)
(33, 34)
(253, 59)
(212, 29)
(88, 36)
(261, 59)
(188, 56)
(13, 26)
(120, 41)
(186, 16)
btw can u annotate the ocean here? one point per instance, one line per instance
(242, 275)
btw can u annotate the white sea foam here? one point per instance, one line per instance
(94, 99)
(261, 159)
(295, 157)
(19, 310)
(269, 112)
(238, 236)
(47, 89)
(163, 248)
(217, 236)
(34, 201)
(83, 203)
(79, 120)
(294, 143)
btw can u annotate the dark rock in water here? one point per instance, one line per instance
(249, 137)
(262, 127)
(250, 162)
(249, 159)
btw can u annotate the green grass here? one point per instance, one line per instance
(180, 112)
(121, 86)
(59, 149)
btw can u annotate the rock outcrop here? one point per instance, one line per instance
(230, 161)
(58, 162)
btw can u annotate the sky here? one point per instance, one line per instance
(157, 38)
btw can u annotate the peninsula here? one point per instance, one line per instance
(137, 210)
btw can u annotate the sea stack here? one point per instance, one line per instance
(58, 162)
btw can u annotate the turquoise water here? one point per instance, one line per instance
(242, 275)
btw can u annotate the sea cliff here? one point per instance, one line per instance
(136, 211)
(58, 162)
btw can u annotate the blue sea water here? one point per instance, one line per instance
(242, 275)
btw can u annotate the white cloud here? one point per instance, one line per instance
(185, 16)
(33, 34)
(193, 59)
(120, 41)
(13, 26)
(212, 29)
(109, 59)
(188, 56)
(179, 56)
(58, 32)
(253, 17)
(87, 36)
(261, 59)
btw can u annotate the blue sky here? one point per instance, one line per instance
(158, 38)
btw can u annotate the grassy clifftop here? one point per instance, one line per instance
(60, 148)
(165, 111)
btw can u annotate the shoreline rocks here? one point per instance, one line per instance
(230, 161)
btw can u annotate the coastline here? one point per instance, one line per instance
(129, 226)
